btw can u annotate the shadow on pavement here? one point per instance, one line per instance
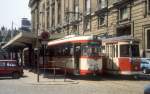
(6, 78)
(111, 77)
(125, 77)
(10, 78)
(106, 77)
(87, 77)
(24, 76)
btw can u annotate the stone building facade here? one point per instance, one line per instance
(93, 17)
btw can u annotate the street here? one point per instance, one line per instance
(28, 85)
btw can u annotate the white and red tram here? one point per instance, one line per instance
(77, 54)
(122, 55)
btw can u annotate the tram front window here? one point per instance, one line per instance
(91, 50)
(126, 52)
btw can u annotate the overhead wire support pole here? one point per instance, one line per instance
(38, 74)
(12, 27)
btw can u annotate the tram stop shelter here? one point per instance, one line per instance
(16, 45)
(21, 40)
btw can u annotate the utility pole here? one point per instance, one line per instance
(12, 27)
(38, 70)
(11, 36)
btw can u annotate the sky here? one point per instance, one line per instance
(13, 11)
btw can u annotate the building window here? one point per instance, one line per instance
(124, 50)
(102, 4)
(87, 25)
(76, 9)
(87, 7)
(148, 38)
(148, 6)
(59, 11)
(43, 16)
(75, 29)
(123, 13)
(67, 15)
(102, 20)
(53, 14)
(47, 19)
(48, 16)
(124, 30)
(77, 12)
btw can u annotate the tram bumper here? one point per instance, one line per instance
(130, 72)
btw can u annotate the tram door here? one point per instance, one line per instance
(110, 57)
(77, 54)
(110, 60)
(113, 54)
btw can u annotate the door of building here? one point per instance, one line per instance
(147, 42)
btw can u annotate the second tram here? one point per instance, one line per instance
(122, 55)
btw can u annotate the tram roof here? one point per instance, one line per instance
(121, 38)
(73, 39)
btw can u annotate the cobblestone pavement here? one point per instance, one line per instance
(28, 85)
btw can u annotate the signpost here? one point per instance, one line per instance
(44, 37)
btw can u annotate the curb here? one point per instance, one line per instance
(53, 83)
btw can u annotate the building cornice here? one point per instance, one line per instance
(32, 2)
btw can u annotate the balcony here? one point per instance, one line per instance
(87, 12)
(31, 2)
(54, 34)
(52, 29)
(100, 11)
(66, 23)
(74, 19)
(118, 3)
(58, 28)
(57, 36)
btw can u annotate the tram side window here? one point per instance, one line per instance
(95, 51)
(107, 50)
(124, 51)
(103, 50)
(116, 50)
(111, 51)
(61, 51)
(2, 64)
(113, 47)
(85, 51)
(67, 51)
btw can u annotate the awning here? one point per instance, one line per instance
(20, 40)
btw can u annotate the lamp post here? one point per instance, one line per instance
(37, 40)
(44, 36)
